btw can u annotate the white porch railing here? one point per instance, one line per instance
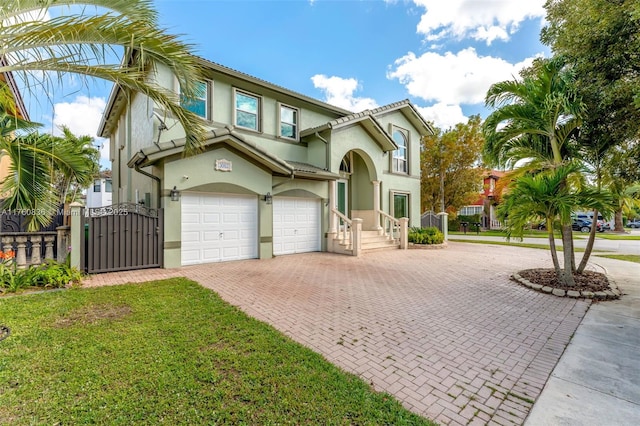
(33, 248)
(390, 226)
(344, 236)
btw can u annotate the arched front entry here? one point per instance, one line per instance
(357, 193)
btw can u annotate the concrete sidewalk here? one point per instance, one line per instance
(597, 380)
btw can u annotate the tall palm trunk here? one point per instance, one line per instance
(554, 250)
(566, 278)
(589, 248)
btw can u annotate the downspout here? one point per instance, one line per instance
(326, 151)
(137, 168)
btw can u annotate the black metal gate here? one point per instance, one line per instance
(429, 219)
(122, 237)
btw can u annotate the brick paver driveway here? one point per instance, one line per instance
(445, 331)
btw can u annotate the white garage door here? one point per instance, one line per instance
(296, 225)
(218, 227)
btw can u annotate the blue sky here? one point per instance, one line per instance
(357, 54)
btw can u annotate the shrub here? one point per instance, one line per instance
(50, 274)
(454, 224)
(430, 235)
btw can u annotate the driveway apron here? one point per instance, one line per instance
(444, 331)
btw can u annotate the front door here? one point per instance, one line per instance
(342, 194)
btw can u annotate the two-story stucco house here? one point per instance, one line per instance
(281, 172)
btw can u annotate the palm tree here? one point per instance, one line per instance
(38, 163)
(532, 123)
(80, 172)
(551, 194)
(40, 47)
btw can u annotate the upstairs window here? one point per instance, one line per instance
(288, 122)
(400, 163)
(247, 109)
(199, 104)
(108, 185)
(96, 185)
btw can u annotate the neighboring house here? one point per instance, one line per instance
(487, 200)
(7, 79)
(275, 165)
(99, 194)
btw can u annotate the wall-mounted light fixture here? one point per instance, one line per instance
(268, 198)
(174, 194)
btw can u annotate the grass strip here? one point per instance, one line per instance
(526, 245)
(626, 257)
(168, 352)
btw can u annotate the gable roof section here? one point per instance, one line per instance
(227, 136)
(410, 112)
(366, 120)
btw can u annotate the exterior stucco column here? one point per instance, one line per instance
(333, 226)
(376, 204)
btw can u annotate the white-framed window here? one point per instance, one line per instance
(470, 210)
(199, 104)
(400, 159)
(97, 185)
(288, 118)
(108, 185)
(247, 110)
(400, 204)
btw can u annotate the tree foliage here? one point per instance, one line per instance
(88, 38)
(533, 121)
(454, 153)
(42, 169)
(600, 41)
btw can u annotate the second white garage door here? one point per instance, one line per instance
(296, 225)
(218, 227)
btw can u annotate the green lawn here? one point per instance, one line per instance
(608, 236)
(498, 233)
(167, 352)
(626, 257)
(516, 244)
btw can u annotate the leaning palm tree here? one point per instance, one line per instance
(532, 126)
(120, 41)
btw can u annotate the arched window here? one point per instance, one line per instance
(400, 155)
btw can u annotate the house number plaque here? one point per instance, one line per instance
(223, 165)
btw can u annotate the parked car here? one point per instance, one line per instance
(584, 225)
(634, 224)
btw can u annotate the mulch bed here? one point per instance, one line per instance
(587, 281)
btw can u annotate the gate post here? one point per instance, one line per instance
(444, 223)
(77, 235)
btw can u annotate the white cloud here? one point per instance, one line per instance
(443, 115)
(461, 78)
(340, 92)
(482, 20)
(82, 117)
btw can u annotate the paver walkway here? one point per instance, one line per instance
(444, 331)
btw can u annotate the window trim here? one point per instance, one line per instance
(464, 210)
(296, 125)
(407, 136)
(258, 112)
(392, 203)
(97, 183)
(208, 101)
